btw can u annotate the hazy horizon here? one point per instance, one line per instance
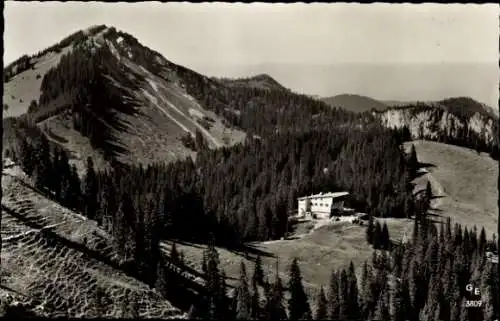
(429, 81)
(385, 51)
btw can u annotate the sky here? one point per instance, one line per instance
(392, 52)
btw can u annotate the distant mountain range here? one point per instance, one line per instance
(156, 108)
(359, 104)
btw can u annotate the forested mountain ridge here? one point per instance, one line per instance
(109, 93)
(157, 110)
(104, 91)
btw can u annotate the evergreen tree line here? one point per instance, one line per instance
(378, 235)
(242, 193)
(424, 280)
(264, 112)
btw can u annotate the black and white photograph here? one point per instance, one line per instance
(250, 161)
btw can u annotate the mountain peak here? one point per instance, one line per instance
(260, 81)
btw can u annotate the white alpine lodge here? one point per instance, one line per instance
(323, 205)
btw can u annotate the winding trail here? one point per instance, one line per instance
(437, 191)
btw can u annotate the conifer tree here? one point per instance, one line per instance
(204, 262)
(413, 161)
(432, 304)
(397, 304)
(298, 304)
(370, 230)
(258, 274)
(27, 157)
(161, 284)
(377, 236)
(482, 241)
(243, 298)
(222, 299)
(366, 290)
(75, 191)
(352, 293)
(333, 297)
(90, 192)
(382, 308)
(428, 192)
(321, 306)
(344, 300)
(44, 164)
(384, 237)
(174, 255)
(275, 309)
(256, 311)
(65, 178)
(214, 284)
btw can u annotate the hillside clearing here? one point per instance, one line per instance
(329, 247)
(467, 190)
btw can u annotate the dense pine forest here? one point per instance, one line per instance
(296, 146)
(424, 280)
(232, 195)
(242, 193)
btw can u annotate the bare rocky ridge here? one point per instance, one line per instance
(430, 124)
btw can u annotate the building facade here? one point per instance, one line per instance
(323, 205)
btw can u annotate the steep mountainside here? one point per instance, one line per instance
(112, 98)
(56, 262)
(355, 103)
(102, 90)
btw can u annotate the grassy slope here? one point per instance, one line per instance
(25, 86)
(318, 253)
(65, 267)
(468, 183)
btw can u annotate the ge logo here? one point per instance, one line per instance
(470, 288)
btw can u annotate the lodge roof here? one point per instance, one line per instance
(325, 195)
